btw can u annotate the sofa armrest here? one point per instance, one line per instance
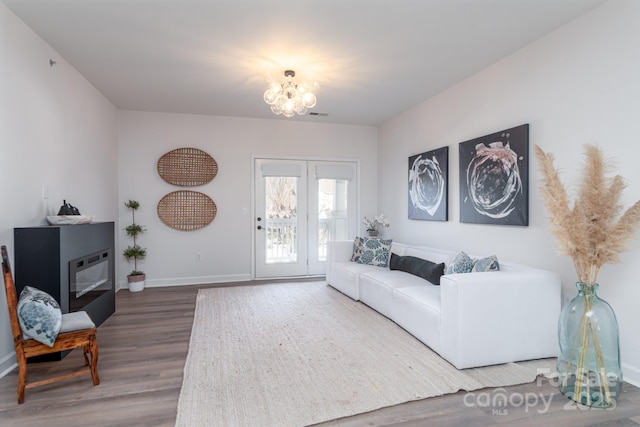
(496, 317)
(339, 251)
(341, 273)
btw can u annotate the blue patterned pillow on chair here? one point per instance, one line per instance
(374, 252)
(39, 315)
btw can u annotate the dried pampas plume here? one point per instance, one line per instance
(592, 231)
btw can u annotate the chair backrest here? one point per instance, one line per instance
(12, 298)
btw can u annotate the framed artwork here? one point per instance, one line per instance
(428, 185)
(494, 183)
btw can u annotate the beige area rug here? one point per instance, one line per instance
(296, 354)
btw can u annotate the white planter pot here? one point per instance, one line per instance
(136, 283)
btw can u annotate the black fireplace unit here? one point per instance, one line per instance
(73, 263)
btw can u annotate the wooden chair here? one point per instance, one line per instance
(66, 339)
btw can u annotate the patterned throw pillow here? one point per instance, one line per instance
(462, 263)
(357, 249)
(375, 252)
(489, 263)
(39, 315)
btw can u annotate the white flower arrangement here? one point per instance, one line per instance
(377, 221)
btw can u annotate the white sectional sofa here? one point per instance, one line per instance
(470, 319)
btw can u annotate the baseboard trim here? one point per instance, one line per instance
(631, 374)
(7, 364)
(187, 281)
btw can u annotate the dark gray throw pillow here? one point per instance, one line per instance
(418, 267)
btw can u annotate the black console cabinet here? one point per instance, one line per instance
(42, 256)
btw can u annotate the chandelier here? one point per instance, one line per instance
(290, 97)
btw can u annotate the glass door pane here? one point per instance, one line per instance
(281, 244)
(333, 214)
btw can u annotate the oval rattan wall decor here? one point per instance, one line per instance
(187, 167)
(186, 210)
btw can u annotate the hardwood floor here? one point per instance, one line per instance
(142, 353)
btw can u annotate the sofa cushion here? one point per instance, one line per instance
(345, 277)
(426, 295)
(356, 268)
(376, 287)
(417, 309)
(374, 252)
(461, 263)
(418, 267)
(489, 263)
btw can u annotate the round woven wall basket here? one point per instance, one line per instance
(187, 167)
(186, 210)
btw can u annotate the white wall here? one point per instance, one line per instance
(577, 85)
(55, 130)
(225, 244)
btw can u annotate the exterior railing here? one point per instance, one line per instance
(282, 239)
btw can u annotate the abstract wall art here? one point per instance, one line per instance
(494, 184)
(428, 185)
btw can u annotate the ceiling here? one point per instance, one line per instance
(373, 58)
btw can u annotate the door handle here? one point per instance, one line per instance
(259, 227)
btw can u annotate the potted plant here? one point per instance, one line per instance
(372, 225)
(136, 278)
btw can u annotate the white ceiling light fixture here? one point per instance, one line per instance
(291, 97)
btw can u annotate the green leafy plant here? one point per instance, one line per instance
(133, 230)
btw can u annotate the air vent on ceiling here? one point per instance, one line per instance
(313, 113)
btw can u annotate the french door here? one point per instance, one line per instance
(299, 206)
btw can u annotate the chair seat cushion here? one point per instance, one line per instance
(76, 321)
(39, 315)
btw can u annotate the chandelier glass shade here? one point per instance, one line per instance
(290, 97)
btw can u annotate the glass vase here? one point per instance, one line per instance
(589, 361)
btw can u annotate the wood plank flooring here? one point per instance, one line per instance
(143, 348)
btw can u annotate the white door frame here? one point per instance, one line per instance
(252, 221)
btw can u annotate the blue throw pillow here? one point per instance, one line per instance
(489, 263)
(462, 263)
(39, 315)
(374, 252)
